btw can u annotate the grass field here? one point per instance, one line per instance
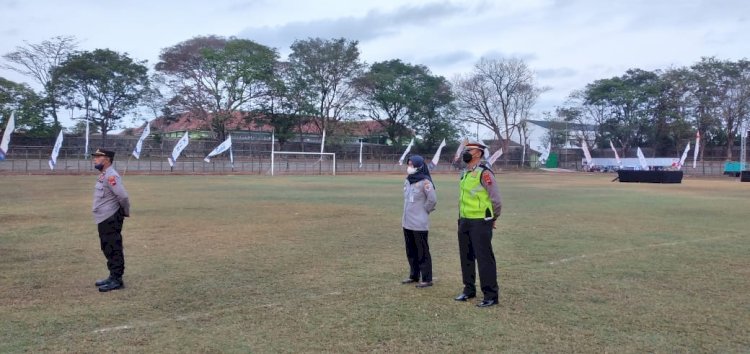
(309, 264)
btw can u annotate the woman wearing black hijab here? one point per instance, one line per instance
(419, 201)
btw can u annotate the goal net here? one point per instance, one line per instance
(303, 163)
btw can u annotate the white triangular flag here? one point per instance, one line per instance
(642, 159)
(139, 144)
(403, 156)
(181, 144)
(9, 128)
(56, 151)
(436, 158)
(226, 145)
(495, 156)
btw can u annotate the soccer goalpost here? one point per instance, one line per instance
(294, 162)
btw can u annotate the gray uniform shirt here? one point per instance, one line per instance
(490, 184)
(109, 196)
(419, 201)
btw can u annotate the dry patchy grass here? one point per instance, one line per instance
(300, 264)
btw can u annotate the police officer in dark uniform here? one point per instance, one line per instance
(111, 206)
(479, 206)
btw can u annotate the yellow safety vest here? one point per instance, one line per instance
(474, 201)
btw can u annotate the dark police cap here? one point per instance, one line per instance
(102, 152)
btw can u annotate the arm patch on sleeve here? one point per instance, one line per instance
(487, 179)
(112, 181)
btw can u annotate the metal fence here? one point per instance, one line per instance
(30, 156)
(261, 165)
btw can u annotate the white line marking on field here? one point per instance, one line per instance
(209, 313)
(653, 245)
(113, 329)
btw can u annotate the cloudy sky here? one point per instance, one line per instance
(568, 43)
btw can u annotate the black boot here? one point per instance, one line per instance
(101, 282)
(113, 284)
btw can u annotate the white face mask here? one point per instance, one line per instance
(411, 170)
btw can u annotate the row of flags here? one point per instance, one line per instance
(642, 159)
(227, 145)
(436, 158)
(181, 145)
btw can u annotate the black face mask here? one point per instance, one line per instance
(467, 156)
(99, 167)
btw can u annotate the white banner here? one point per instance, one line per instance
(231, 156)
(226, 145)
(486, 150)
(697, 147)
(617, 157)
(403, 156)
(436, 158)
(86, 149)
(495, 156)
(181, 145)
(56, 151)
(684, 156)
(642, 160)
(9, 128)
(586, 152)
(360, 154)
(322, 143)
(460, 149)
(545, 153)
(139, 144)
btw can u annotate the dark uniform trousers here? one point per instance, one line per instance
(475, 244)
(418, 255)
(110, 238)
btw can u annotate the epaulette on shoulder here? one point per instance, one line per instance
(486, 168)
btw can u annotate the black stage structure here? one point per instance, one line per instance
(650, 176)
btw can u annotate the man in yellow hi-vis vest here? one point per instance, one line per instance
(479, 207)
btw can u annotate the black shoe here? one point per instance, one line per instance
(424, 284)
(464, 297)
(114, 284)
(101, 282)
(408, 281)
(487, 303)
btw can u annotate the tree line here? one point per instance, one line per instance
(664, 109)
(325, 82)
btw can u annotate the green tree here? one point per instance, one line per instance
(29, 109)
(671, 126)
(216, 78)
(39, 60)
(287, 107)
(107, 85)
(389, 92)
(627, 106)
(721, 90)
(326, 69)
(435, 116)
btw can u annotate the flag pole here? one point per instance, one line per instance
(126, 165)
